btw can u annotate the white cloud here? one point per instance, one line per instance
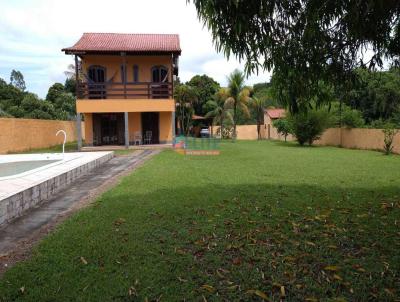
(32, 34)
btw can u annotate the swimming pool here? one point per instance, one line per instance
(13, 168)
(16, 165)
(27, 180)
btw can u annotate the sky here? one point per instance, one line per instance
(32, 34)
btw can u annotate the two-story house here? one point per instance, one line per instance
(125, 87)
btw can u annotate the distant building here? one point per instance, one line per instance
(270, 115)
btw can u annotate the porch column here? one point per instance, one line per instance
(126, 130)
(79, 130)
(173, 128)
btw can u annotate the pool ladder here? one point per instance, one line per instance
(65, 139)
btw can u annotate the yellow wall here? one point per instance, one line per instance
(120, 105)
(135, 124)
(165, 127)
(24, 134)
(357, 138)
(88, 128)
(113, 66)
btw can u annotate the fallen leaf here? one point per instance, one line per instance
(119, 221)
(258, 293)
(132, 291)
(331, 268)
(283, 292)
(208, 288)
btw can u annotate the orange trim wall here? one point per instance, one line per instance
(120, 105)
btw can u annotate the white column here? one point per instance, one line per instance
(79, 130)
(173, 128)
(126, 130)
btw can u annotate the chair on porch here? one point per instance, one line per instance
(147, 137)
(137, 138)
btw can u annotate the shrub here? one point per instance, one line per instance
(282, 126)
(389, 133)
(227, 132)
(352, 118)
(308, 126)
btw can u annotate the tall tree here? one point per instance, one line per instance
(17, 80)
(258, 106)
(185, 97)
(305, 41)
(217, 110)
(205, 88)
(239, 96)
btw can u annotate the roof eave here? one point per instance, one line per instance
(69, 51)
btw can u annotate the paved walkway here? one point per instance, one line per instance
(86, 187)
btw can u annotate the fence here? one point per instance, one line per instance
(24, 134)
(357, 138)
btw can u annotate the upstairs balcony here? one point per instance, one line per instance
(125, 90)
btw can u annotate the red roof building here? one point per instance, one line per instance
(130, 43)
(275, 113)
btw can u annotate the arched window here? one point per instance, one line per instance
(97, 73)
(123, 74)
(159, 74)
(135, 73)
(97, 78)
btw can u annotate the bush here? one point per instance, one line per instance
(389, 133)
(309, 126)
(352, 118)
(227, 132)
(282, 126)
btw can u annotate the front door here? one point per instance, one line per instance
(150, 127)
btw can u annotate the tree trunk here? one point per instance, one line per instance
(234, 121)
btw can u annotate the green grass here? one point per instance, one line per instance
(262, 218)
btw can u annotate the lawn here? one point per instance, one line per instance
(262, 221)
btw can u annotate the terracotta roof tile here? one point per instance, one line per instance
(276, 113)
(109, 42)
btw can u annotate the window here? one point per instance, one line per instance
(159, 74)
(97, 74)
(135, 73)
(96, 80)
(123, 74)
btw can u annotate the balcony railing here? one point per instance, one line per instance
(137, 90)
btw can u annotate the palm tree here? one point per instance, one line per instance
(258, 106)
(239, 96)
(218, 111)
(70, 72)
(185, 97)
